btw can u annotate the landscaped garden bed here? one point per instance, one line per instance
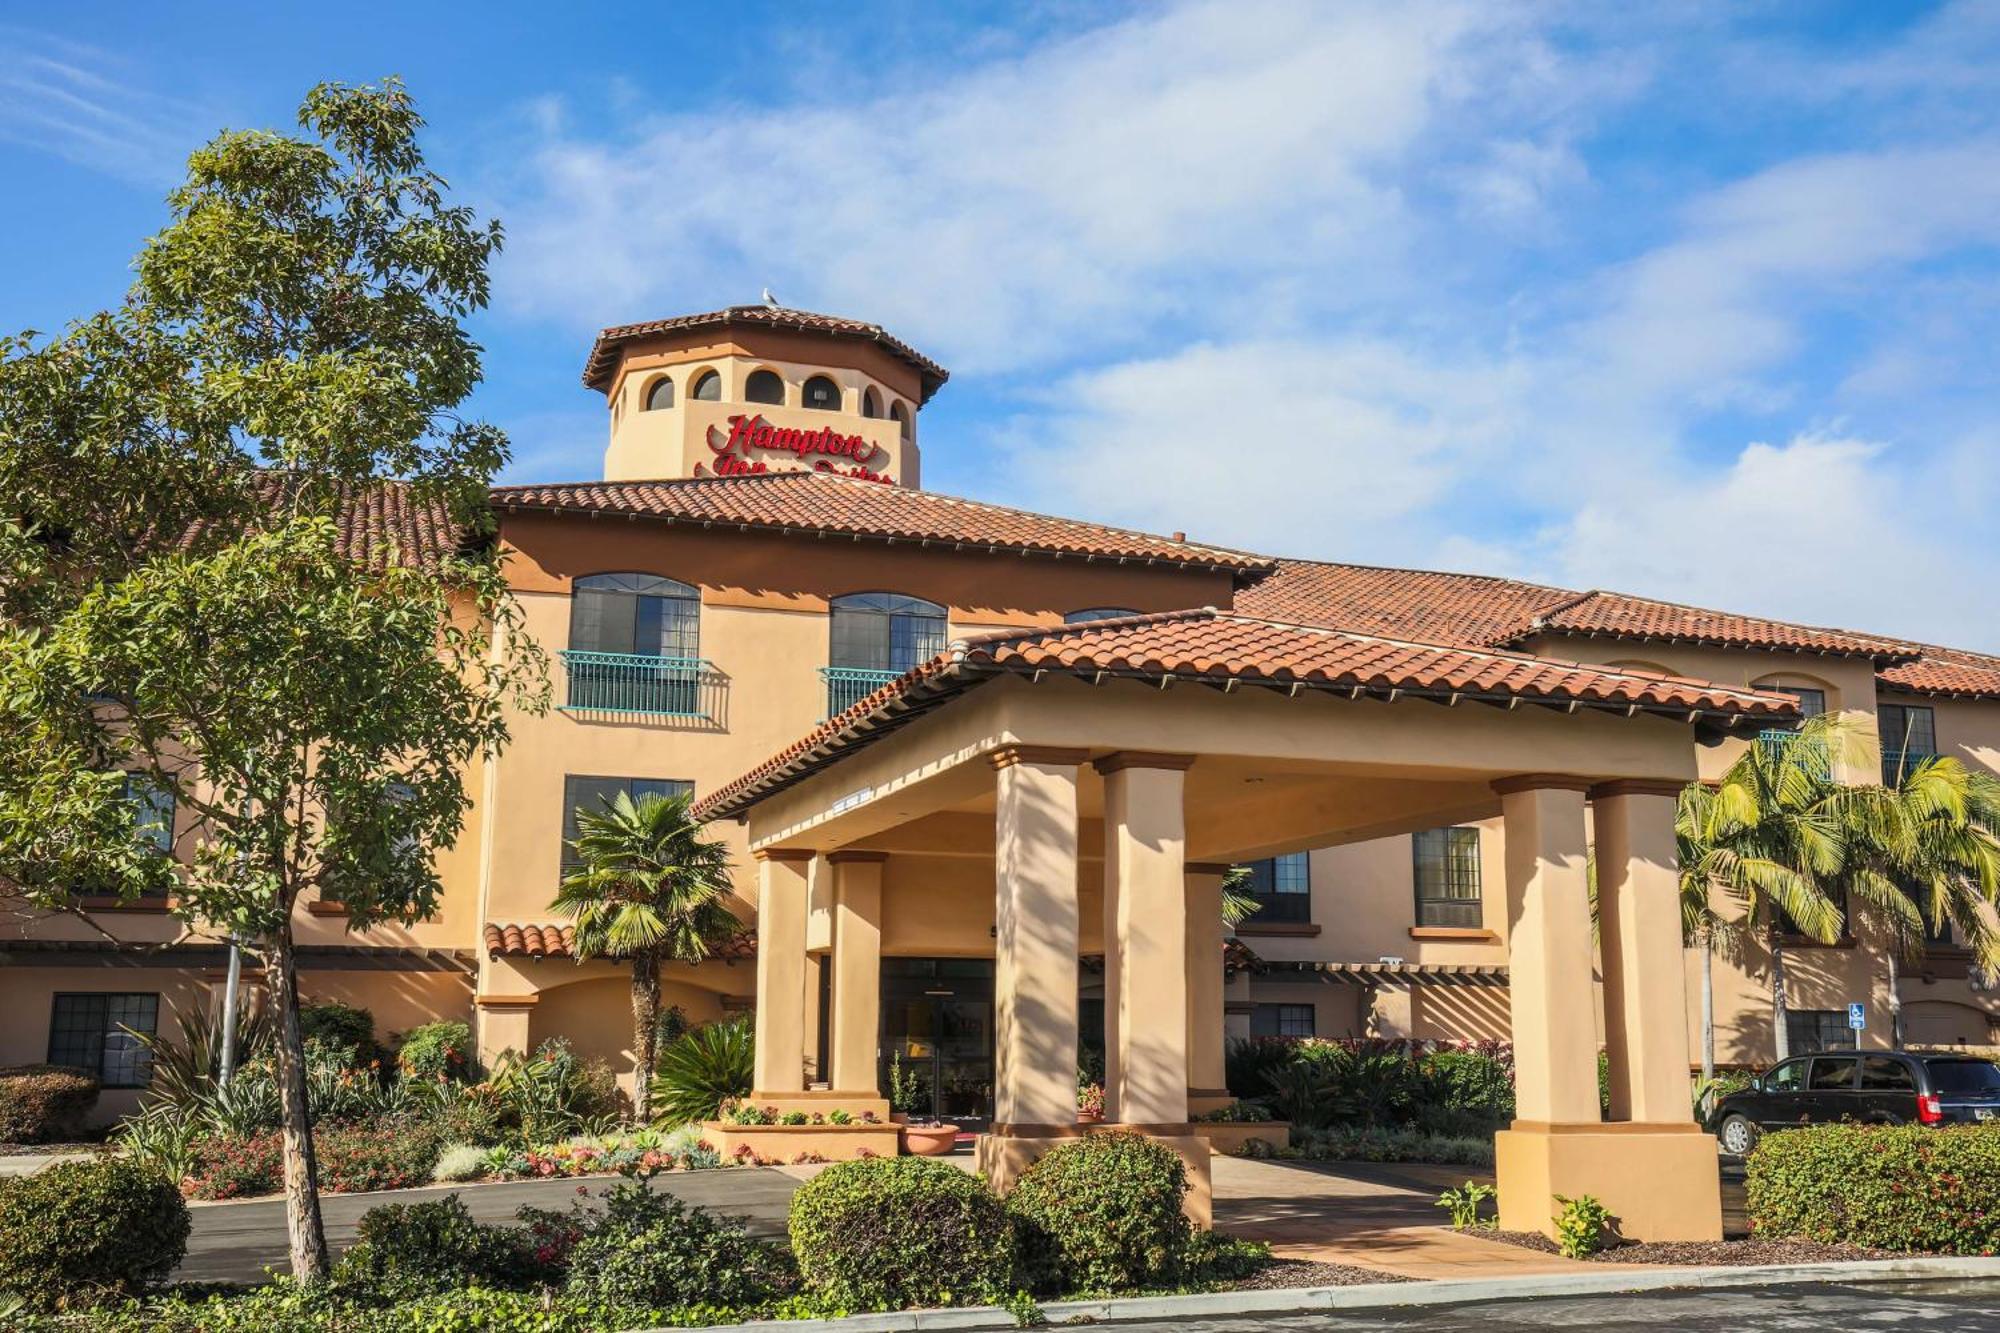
(1695, 1253)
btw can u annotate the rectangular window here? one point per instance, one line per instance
(152, 812)
(1882, 1073)
(1447, 877)
(1282, 1020)
(1818, 1030)
(1909, 735)
(89, 1032)
(1282, 886)
(597, 793)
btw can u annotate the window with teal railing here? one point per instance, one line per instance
(634, 647)
(874, 638)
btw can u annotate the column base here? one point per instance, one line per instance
(818, 1101)
(1009, 1150)
(1660, 1181)
(1201, 1100)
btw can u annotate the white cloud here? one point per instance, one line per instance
(1016, 212)
(83, 105)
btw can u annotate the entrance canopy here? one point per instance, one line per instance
(1131, 761)
(1306, 737)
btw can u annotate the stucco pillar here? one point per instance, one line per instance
(1658, 1178)
(856, 989)
(503, 1025)
(1035, 939)
(1639, 930)
(1549, 951)
(1207, 1079)
(781, 971)
(1145, 939)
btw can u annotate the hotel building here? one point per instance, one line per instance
(981, 772)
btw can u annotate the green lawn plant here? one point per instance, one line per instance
(1582, 1225)
(180, 616)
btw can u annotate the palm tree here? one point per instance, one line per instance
(1927, 856)
(1773, 833)
(650, 888)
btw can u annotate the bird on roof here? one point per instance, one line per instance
(769, 299)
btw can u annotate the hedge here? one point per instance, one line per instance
(1888, 1187)
(890, 1232)
(80, 1232)
(44, 1103)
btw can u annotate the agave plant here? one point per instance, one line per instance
(161, 1138)
(705, 1068)
(186, 1070)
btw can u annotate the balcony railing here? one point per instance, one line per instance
(848, 686)
(1897, 764)
(634, 685)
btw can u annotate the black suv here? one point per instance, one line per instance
(1871, 1087)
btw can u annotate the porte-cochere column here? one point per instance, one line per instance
(1206, 1067)
(1658, 1176)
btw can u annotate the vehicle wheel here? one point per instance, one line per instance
(1738, 1135)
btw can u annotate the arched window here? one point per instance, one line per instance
(634, 645)
(707, 387)
(764, 386)
(661, 395)
(901, 416)
(1090, 613)
(823, 394)
(885, 631)
(871, 403)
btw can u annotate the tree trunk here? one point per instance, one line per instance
(1707, 1006)
(305, 1230)
(1781, 1037)
(645, 1030)
(1895, 999)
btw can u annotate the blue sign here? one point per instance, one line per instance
(1857, 1016)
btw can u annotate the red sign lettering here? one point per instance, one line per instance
(734, 456)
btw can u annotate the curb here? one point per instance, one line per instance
(1386, 1295)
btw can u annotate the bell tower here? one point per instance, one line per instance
(758, 389)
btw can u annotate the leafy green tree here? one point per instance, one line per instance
(650, 888)
(180, 615)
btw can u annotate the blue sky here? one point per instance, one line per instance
(1698, 304)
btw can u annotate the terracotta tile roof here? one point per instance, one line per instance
(603, 362)
(1215, 647)
(1616, 615)
(816, 502)
(380, 523)
(558, 940)
(1474, 609)
(1948, 672)
(1419, 604)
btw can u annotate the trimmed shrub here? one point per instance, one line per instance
(436, 1050)
(44, 1103)
(1462, 1093)
(235, 1166)
(421, 1249)
(652, 1249)
(1888, 1187)
(1103, 1213)
(340, 1025)
(886, 1233)
(83, 1231)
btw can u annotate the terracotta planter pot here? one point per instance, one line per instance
(929, 1140)
(899, 1117)
(1089, 1117)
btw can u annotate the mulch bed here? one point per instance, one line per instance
(1701, 1253)
(1287, 1273)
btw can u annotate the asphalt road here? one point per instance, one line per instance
(236, 1242)
(1948, 1307)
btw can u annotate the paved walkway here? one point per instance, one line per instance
(1374, 1215)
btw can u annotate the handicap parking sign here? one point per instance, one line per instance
(1857, 1016)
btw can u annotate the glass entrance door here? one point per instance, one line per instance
(937, 1029)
